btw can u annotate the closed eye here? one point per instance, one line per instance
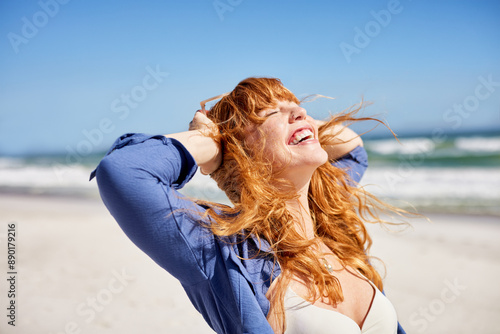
(271, 113)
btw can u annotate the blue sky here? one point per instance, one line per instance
(77, 74)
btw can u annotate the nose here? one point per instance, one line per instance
(298, 114)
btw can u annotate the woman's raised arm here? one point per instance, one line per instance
(204, 149)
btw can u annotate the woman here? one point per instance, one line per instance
(294, 235)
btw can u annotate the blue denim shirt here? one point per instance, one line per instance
(138, 181)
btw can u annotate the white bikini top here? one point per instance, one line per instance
(302, 317)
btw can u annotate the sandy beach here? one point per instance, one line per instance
(78, 273)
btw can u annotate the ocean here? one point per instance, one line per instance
(452, 174)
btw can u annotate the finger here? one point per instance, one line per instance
(194, 122)
(201, 118)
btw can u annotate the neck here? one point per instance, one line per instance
(300, 210)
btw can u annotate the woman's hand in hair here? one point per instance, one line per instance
(201, 122)
(345, 140)
(199, 141)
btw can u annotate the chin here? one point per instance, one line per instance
(313, 161)
(314, 158)
(321, 157)
(308, 159)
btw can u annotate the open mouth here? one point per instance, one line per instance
(300, 136)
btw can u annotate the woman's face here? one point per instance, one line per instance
(291, 140)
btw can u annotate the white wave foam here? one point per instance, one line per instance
(50, 176)
(435, 184)
(10, 162)
(478, 144)
(406, 146)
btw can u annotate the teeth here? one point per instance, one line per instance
(301, 135)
